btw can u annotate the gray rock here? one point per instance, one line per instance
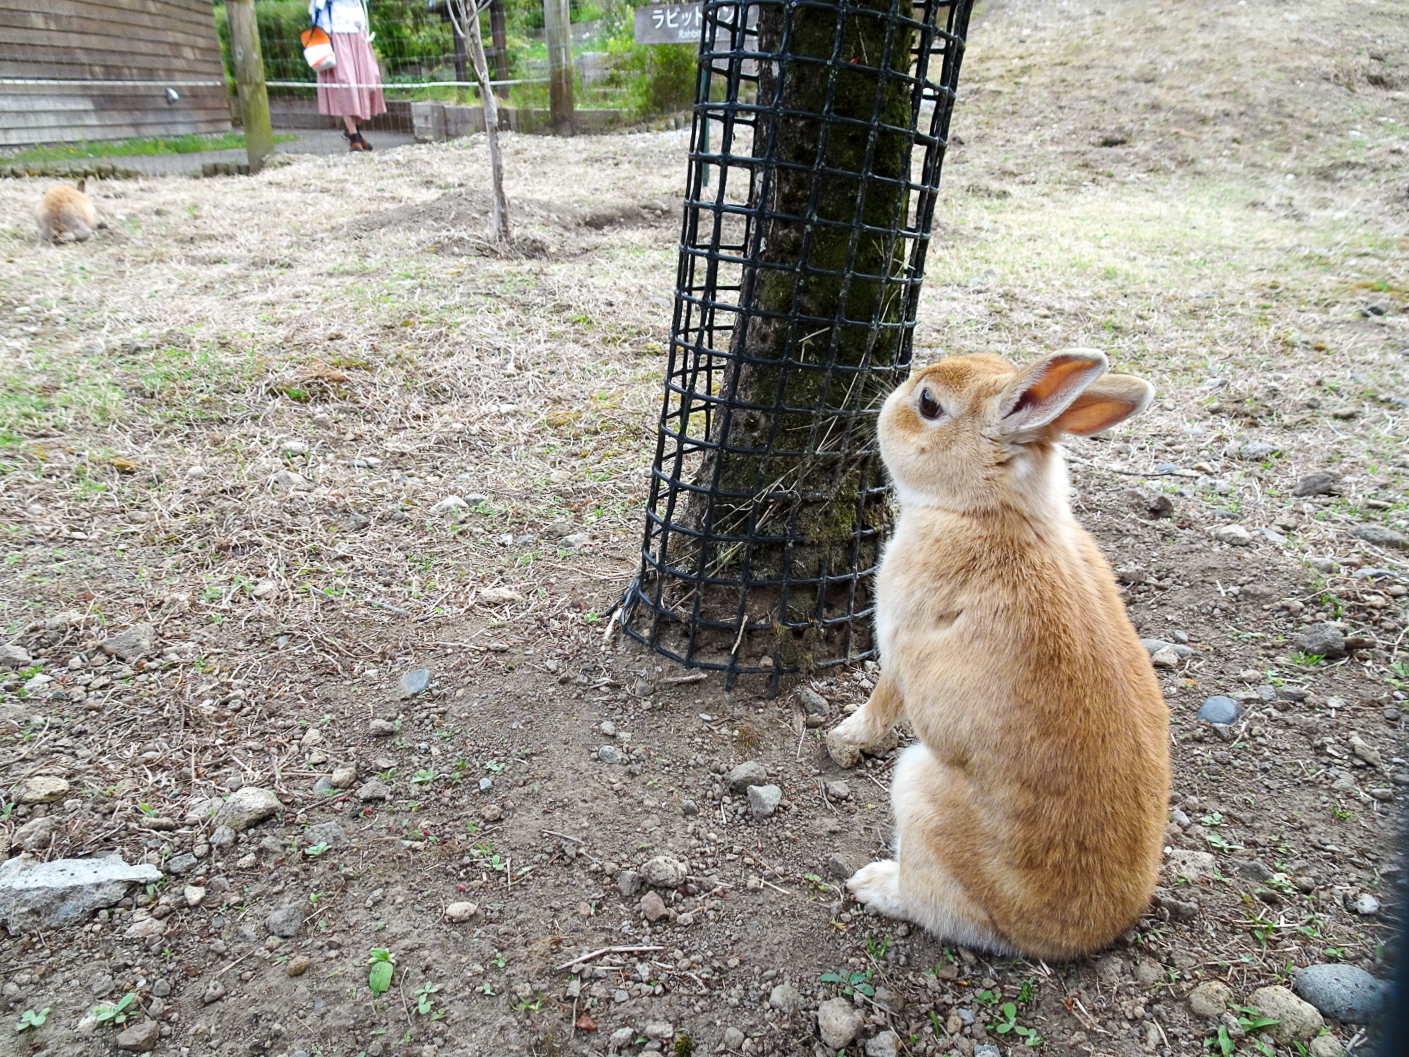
(663, 872)
(1297, 1021)
(324, 787)
(1322, 640)
(381, 728)
(63, 892)
(1366, 905)
(38, 833)
(843, 753)
(486, 784)
(460, 912)
(838, 789)
(1160, 505)
(14, 657)
(222, 837)
(140, 1037)
(1219, 709)
(285, 922)
(622, 1038)
(1233, 535)
(1257, 449)
(887, 1044)
(329, 833)
(987, 1049)
(130, 645)
(784, 998)
(628, 883)
(840, 866)
(246, 806)
(764, 800)
(214, 992)
(180, 863)
(838, 1022)
(609, 754)
(1165, 657)
(812, 702)
(1320, 483)
(733, 1038)
(746, 774)
(1345, 992)
(373, 789)
(343, 777)
(1381, 536)
(413, 683)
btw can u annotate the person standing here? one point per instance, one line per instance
(352, 89)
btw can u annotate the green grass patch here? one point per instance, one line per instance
(127, 148)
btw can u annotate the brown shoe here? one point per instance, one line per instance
(355, 142)
(365, 145)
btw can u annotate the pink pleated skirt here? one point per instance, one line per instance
(354, 86)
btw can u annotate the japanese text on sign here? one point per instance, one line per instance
(668, 24)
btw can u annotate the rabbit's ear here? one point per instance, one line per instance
(81, 185)
(1042, 391)
(1106, 402)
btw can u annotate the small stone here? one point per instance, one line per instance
(285, 922)
(987, 1049)
(1234, 535)
(373, 789)
(1297, 1021)
(140, 1037)
(838, 790)
(325, 833)
(14, 657)
(1256, 449)
(161, 987)
(689, 808)
(785, 998)
(1325, 1046)
(838, 1022)
(812, 702)
(1165, 657)
(486, 784)
(764, 800)
(663, 872)
(43, 789)
(1368, 753)
(214, 992)
(38, 833)
(298, 965)
(180, 863)
(64, 892)
(499, 595)
(450, 508)
(1148, 973)
(886, 1044)
(461, 911)
(840, 866)
(653, 907)
(1322, 640)
(628, 883)
(843, 752)
(222, 837)
(130, 645)
(1345, 992)
(343, 777)
(1381, 536)
(381, 728)
(746, 774)
(1219, 709)
(246, 806)
(144, 929)
(1319, 483)
(415, 682)
(491, 812)
(194, 895)
(733, 1038)
(609, 754)
(1367, 905)
(622, 1038)
(1195, 865)
(1210, 998)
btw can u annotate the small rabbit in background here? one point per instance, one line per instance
(66, 214)
(1030, 814)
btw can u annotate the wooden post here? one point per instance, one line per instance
(249, 79)
(499, 47)
(558, 30)
(499, 204)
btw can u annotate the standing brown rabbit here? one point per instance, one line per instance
(66, 214)
(1029, 817)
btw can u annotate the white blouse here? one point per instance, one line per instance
(339, 16)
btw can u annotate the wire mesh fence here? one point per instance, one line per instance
(818, 137)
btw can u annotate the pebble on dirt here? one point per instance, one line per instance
(1219, 709)
(653, 907)
(285, 922)
(1381, 536)
(751, 772)
(43, 789)
(374, 789)
(764, 800)
(141, 1037)
(14, 657)
(247, 806)
(1322, 640)
(298, 965)
(64, 891)
(838, 1022)
(1210, 998)
(461, 911)
(413, 683)
(663, 872)
(1319, 483)
(1297, 1021)
(130, 645)
(1345, 992)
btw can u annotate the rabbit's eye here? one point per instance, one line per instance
(929, 406)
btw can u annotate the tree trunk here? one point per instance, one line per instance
(822, 302)
(500, 205)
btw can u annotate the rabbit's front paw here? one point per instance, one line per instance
(841, 748)
(877, 884)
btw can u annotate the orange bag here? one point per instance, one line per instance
(318, 50)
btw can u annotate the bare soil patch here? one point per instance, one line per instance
(236, 417)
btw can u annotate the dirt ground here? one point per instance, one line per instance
(231, 421)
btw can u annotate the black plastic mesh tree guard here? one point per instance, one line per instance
(807, 218)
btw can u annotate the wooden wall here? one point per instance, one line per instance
(100, 69)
